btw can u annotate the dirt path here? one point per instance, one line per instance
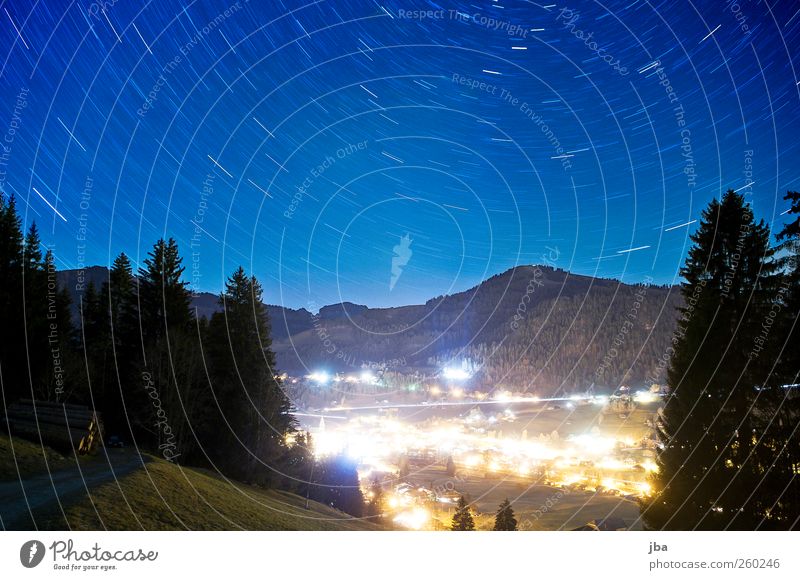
(20, 501)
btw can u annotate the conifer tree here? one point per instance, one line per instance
(504, 520)
(462, 519)
(777, 351)
(40, 295)
(12, 346)
(705, 468)
(119, 317)
(171, 362)
(163, 296)
(255, 410)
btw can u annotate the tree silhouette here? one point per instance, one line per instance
(504, 520)
(711, 459)
(462, 519)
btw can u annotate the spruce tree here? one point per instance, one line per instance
(171, 364)
(788, 329)
(777, 343)
(462, 519)
(12, 348)
(163, 296)
(504, 520)
(122, 388)
(706, 430)
(40, 295)
(254, 408)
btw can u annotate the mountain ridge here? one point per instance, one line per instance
(535, 327)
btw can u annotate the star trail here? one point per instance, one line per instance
(306, 140)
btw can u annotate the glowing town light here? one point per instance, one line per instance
(320, 377)
(455, 374)
(595, 444)
(367, 377)
(609, 483)
(414, 519)
(611, 464)
(650, 466)
(644, 488)
(645, 397)
(456, 393)
(601, 400)
(472, 460)
(435, 391)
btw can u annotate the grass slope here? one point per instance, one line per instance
(30, 458)
(163, 496)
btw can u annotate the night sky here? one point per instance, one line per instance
(306, 140)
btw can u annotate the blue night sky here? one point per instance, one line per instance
(303, 140)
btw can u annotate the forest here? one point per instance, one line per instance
(201, 391)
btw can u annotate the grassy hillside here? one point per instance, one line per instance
(29, 458)
(163, 496)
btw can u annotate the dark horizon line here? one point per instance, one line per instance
(196, 293)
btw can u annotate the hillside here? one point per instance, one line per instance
(170, 497)
(154, 495)
(531, 328)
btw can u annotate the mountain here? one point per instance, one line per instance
(531, 328)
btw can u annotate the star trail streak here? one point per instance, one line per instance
(321, 133)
